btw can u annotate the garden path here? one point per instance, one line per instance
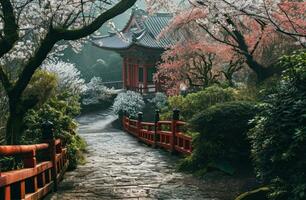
(119, 167)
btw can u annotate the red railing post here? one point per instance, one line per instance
(175, 118)
(156, 128)
(29, 159)
(139, 127)
(48, 136)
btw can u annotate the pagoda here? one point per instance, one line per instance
(139, 46)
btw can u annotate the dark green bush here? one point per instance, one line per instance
(222, 142)
(60, 110)
(279, 136)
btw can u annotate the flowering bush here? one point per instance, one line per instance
(96, 92)
(130, 102)
(69, 77)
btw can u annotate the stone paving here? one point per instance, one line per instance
(119, 167)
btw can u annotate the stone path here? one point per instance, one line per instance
(119, 167)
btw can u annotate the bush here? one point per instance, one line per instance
(279, 136)
(60, 110)
(196, 102)
(222, 142)
(69, 77)
(97, 93)
(159, 101)
(130, 102)
(58, 102)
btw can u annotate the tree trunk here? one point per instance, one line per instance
(14, 122)
(14, 127)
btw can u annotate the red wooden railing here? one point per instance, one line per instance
(37, 178)
(165, 134)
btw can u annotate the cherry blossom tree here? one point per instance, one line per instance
(32, 30)
(245, 28)
(196, 65)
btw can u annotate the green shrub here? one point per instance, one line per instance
(222, 142)
(279, 136)
(196, 102)
(60, 110)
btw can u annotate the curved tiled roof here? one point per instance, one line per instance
(151, 26)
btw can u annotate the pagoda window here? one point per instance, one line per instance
(140, 74)
(151, 72)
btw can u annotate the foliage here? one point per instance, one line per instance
(199, 101)
(96, 92)
(279, 136)
(159, 101)
(69, 77)
(102, 63)
(130, 102)
(58, 105)
(244, 28)
(36, 31)
(222, 142)
(60, 110)
(41, 87)
(195, 64)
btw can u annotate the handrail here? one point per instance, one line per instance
(165, 134)
(147, 123)
(34, 180)
(9, 150)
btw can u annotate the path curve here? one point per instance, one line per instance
(119, 167)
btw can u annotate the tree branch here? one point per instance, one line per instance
(118, 9)
(5, 80)
(55, 35)
(33, 63)
(10, 28)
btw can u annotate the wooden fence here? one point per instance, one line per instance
(43, 167)
(164, 134)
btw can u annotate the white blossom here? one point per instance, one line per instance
(131, 102)
(96, 92)
(69, 77)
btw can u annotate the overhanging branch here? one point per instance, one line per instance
(118, 9)
(10, 28)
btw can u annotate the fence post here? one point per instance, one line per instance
(29, 159)
(155, 127)
(48, 136)
(139, 120)
(175, 118)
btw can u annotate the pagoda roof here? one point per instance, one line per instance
(141, 30)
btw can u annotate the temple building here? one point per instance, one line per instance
(140, 48)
